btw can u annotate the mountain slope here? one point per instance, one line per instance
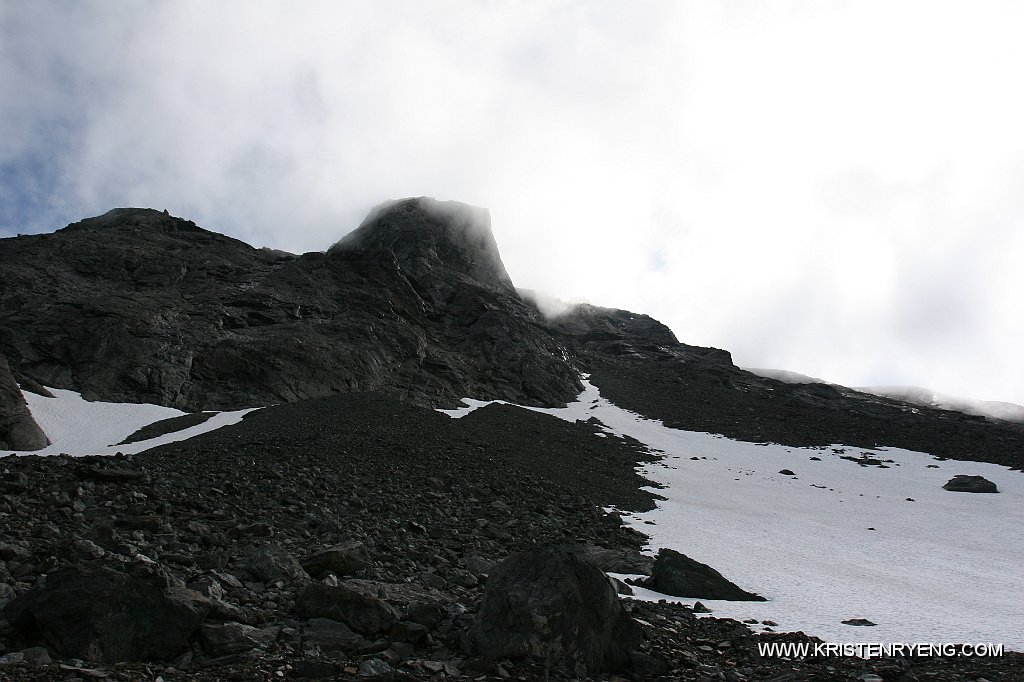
(138, 306)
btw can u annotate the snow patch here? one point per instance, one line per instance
(836, 541)
(76, 426)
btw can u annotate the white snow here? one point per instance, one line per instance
(945, 567)
(79, 427)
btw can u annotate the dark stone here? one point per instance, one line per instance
(680, 576)
(271, 563)
(614, 560)
(363, 613)
(551, 605)
(343, 559)
(331, 636)
(103, 615)
(861, 622)
(18, 430)
(970, 484)
(305, 669)
(224, 639)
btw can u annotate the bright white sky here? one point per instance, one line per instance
(827, 187)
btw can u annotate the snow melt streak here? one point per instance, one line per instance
(945, 567)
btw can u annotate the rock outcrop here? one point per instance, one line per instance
(104, 615)
(680, 576)
(139, 306)
(553, 606)
(18, 430)
(963, 483)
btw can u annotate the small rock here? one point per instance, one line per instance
(962, 483)
(373, 667)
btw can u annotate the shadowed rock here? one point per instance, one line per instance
(363, 613)
(18, 430)
(680, 576)
(103, 615)
(342, 559)
(139, 306)
(272, 562)
(970, 484)
(553, 606)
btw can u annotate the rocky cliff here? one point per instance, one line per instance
(139, 306)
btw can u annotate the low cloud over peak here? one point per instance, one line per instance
(831, 188)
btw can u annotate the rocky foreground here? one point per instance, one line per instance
(356, 537)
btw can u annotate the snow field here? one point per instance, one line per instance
(838, 540)
(79, 427)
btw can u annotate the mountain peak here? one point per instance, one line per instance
(145, 218)
(428, 238)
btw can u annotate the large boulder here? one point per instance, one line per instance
(271, 563)
(362, 612)
(224, 639)
(18, 430)
(105, 615)
(680, 576)
(331, 637)
(553, 606)
(619, 560)
(962, 483)
(342, 559)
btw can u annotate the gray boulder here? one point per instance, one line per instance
(105, 616)
(342, 559)
(363, 613)
(680, 576)
(619, 560)
(224, 639)
(970, 484)
(18, 430)
(272, 562)
(555, 607)
(331, 637)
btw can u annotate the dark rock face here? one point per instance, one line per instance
(18, 430)
(440, 244)
(681, 576)
(551, 605)
(103, 615)
(139, 306)
(970, 484)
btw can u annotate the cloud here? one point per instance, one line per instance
(825, 187)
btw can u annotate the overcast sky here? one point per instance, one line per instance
(828, 187)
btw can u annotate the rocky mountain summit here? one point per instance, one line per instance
(348, 530)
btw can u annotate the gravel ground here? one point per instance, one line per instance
(434, 502)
